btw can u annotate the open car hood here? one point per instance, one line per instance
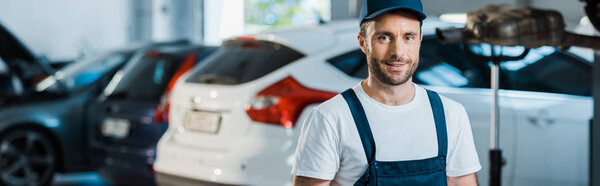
(21, 67)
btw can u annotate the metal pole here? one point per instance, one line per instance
(494, 119)
(594, 129)
(495, 152)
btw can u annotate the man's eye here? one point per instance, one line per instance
(384, 38)
(410, 38)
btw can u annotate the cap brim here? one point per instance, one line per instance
(420, 15)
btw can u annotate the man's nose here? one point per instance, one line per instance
(398, 48)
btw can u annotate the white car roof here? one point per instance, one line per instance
(314, 38)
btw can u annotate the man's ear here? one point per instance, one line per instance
(362, 43)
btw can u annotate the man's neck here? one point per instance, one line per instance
(389, 94)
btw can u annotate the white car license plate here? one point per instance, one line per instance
(203, 121)
(116, 128)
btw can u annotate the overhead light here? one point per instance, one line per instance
(454, 17)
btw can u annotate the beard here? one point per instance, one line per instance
(375, 68)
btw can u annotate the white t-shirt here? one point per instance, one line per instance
(329, 146)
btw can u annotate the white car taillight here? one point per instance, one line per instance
(283, 102)
(262, 102)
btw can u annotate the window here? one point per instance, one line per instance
(556, 72)
(353, 63)
(278, 13)
(544, 69)
(146, 78)
(238, 62)
(446, 65)
(441, 65)
(79, 75)
(442, 74)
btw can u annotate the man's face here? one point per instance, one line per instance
(391, 44)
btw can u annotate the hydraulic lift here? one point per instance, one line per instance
(531, 28)
(594, 128)
(592, 9)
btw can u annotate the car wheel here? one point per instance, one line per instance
(27, 157)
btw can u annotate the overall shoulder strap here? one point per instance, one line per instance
(362, 124)
(440, 122)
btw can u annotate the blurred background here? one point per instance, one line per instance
(70, 29)
(90, 88)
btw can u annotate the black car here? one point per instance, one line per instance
(133, 113)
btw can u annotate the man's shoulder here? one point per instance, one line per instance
(453, 109)
(333, 107)
(450, 103)
(450, 106)
(447, 102)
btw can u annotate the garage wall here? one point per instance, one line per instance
(66, 29)
(436, 7)
(222, 19)
(176, 19)
(572, 10)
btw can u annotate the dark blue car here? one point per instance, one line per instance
(43, 113)
(23, 154)
(133, 113)
(42, 131)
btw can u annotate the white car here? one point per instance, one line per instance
(235, 119)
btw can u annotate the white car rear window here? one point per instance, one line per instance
(241, 61)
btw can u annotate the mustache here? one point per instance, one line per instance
(395, 59)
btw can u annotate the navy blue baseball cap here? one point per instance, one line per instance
(373, 8)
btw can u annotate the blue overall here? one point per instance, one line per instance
(430, 171)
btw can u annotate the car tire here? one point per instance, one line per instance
(27, 157)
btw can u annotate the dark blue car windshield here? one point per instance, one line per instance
(83, 73)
